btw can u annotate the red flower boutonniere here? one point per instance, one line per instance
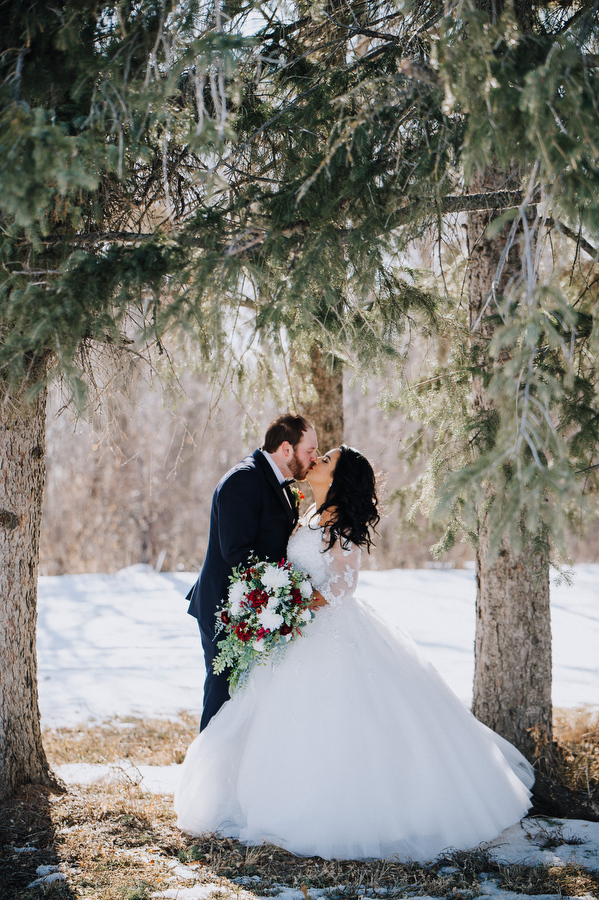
(297, 494)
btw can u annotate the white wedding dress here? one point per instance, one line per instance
(351, 746)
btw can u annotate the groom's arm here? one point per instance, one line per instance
(240, 504)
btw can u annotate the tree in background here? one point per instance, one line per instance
(364, 126)
(108, 113)
(532, 386)
(358, 126)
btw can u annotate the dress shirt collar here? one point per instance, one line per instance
(280, 477)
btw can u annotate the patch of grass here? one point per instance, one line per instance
(114, 842)
(156, 742)
(117, 843)
(577, 734)
(139, 891)
(569, 881)
(550, 834)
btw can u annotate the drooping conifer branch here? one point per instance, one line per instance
(250, 238)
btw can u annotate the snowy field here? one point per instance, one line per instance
(123, 645)
(119, 645)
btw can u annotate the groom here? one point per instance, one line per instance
(253, 511)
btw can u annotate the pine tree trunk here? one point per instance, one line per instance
(22, 468)
(512, 676)
(326, 411)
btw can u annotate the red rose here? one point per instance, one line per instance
(285, 628)
(296, 595)
(257, 598)
(243, 632)
(225, 617)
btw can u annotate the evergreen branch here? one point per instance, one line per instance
(587, 25)
(583, 11)
(575, 236)
(98, 237)
(490, 200)
(254, 237)
(353, 31)
(407, 67)
(238, 249)
(587, 469)
(428, 24)
(282, 30)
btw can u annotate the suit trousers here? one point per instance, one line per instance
(216, 687)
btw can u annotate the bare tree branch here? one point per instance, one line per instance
(575, 236)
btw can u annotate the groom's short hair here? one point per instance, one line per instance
(287, 427)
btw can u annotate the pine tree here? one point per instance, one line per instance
(359, 127)
(109, 114)
(365, 125)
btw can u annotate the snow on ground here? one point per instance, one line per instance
(119, 645)
(530, 842)
(123, 645)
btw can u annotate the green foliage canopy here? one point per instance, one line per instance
(108, 116)
(157, 163)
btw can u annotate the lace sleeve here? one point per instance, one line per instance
(342, 568)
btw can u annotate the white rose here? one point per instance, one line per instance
(305, 589)
(270, 620)
(236, 592)
(274, 578)
(307, 615)
(259, 645)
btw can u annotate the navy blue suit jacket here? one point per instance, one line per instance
(250, 514)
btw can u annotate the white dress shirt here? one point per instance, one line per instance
(280, 477)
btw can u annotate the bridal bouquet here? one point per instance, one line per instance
(267, 605)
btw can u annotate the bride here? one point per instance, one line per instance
(351, 746)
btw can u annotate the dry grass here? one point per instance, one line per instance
(113, 842)
(156, 742)
(577, 733)
(117, 843)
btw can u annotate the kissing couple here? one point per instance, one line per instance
(351, 746)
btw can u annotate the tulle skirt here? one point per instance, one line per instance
(351, 747)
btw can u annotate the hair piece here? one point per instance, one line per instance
(287, 427)
(351, 501)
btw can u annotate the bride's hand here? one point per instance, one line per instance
(317, 600)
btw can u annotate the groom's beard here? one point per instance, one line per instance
(297, 469)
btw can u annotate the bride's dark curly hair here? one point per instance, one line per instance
(352, 501)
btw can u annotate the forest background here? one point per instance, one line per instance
(166, 186)
(133, 482)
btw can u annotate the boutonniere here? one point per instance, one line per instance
(297, 495)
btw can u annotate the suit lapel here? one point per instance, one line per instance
(267, 469)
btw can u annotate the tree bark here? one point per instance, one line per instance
(22, 475)
(512, 676)
(326, 410)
